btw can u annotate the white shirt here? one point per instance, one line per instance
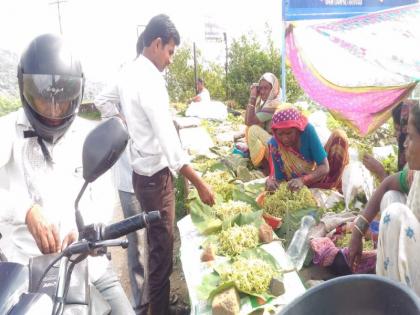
(108, 104)
(204, 95)
(154, 143)
(25, 179)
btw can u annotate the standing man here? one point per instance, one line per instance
(109, 104)
(203, 94)
(155, 150)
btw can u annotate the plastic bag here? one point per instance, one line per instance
(356, 179)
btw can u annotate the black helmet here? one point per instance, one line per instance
(51, 85)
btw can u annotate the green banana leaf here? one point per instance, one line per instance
(202, 217)
(291, 222)
(211, 286)
(202, 214)
(240, 219)
(239, 193)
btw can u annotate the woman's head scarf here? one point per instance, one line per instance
(289, 118)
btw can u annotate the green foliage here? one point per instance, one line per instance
(248, 61)
(180, 77)
(181, 85)
(181, 192)
(8, 105)
(90, 115)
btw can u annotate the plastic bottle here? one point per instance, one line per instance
(299, 245)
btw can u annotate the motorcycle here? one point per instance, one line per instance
(58, 283)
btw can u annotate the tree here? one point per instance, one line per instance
(248, 61)
(180, 77)
(181, 85)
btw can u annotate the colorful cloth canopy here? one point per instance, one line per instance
(358, 68)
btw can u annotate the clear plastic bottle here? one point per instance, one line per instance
(299, 245)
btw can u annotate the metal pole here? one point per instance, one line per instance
(283, 64)
(226, 65)
(59, 13)
(195, 70)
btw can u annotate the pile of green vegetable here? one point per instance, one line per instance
(226, 210)
(236, 239)
(221, 182)
(250, 275)
(283, 200)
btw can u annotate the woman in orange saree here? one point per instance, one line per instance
(297, 156)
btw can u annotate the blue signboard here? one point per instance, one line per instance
(331, 9)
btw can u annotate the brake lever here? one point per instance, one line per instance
(110, 243)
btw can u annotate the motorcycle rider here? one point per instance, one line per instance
(41, 165)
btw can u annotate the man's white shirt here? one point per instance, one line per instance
(154, 142)
(25, 179)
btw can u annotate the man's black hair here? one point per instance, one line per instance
(140, 44)
(396, 114)
(160, 26)
(200, 80)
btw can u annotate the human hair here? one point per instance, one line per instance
(200, 80)
(396, 113)
(160, 26)
(415, 111)
(140, 44)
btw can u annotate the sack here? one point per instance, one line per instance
(356, 179)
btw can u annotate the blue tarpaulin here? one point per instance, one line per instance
(329, 9)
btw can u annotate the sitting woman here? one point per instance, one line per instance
(400, 120)
(398, 251)
(297, 155)
(264, 100)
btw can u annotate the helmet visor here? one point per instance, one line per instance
(52, 96)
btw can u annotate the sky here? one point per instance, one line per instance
(104, 32)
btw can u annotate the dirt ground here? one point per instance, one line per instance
(179, 291)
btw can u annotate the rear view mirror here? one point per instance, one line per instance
(103, 147)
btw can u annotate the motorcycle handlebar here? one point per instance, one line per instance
(129, 225)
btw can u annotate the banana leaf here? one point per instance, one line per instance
(202, 215)
(240, 219)
(203, 218)
(239, 193)
(211, 286)
(291, 222)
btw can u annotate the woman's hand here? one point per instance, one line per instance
(271, 184)
(253, 90)
(355, 249)
(374, 166)
(295, 184)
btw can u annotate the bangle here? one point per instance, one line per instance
(364, 218)
(361, 224)
(359, 230)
